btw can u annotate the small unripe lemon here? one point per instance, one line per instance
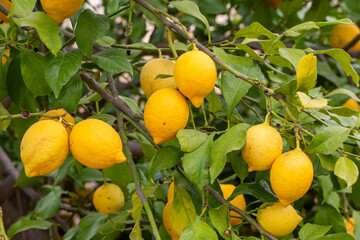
(60, 112)
(291, 176)
(351, 103)
(342, 34)
(61, 9)
(238, 201)
(166, 220)
(108, 198)
(278, 220)
(262, 146)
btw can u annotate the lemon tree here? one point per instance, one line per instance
(179, 120)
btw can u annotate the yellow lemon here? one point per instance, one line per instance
(60, 112)
(262, 146)
(349, 225)
(166, 220)
(278, 220)
(291, 176)
(44, 148)
(195, 75)
(238, 202)
(108, 198)
(96, 144)
(274, 3)
(61, 9)
(151, 70)
(8, 5)
(3, 60)
(171, 191)
(342, 34)
(165, 113)
(351, 103)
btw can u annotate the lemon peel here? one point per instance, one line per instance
(65, 115)
(61, 9)
(108, 198)
(238, 201)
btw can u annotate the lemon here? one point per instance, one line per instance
(61, 9)
(151, 70)
(3, 17)
(349, 225)
(274, 3)
(342, 34)
(165, 113)
(278, 220)
(166, 220)
(60, 112)
(96, 144)
(108, 198)
(291, 176)
(351, 103)
(262, 146)
(7, 53)
(44, 148)
(238, 201)
(195, 75)
(171, 190)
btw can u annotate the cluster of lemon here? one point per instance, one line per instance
(167, 111)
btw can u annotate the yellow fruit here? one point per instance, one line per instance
(8, 5)
(195, 75)
(291, 176)
(108, 198)
(165, 113)
(44, 148)
(166, 219)
(349, 225)
(262, 146)
(342, 34)
(351, 103)
(151, 70)
(239, 202)
(278, 220)
(96, 144)
(274, 3)
(60, 112)
(61, 9)
(171, 191)
(7, 53)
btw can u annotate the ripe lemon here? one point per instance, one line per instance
(279, 221)
(96, 144)
(60, 112)
(342, 34)
(166, 220)
(151, 70)
(291, 176)
(239, 202)
(274, 3)
(262, 146)
(165, 113)
(108, 198)
(351, 103)
(195, 75)
(61, 9)
(8, 5)
(349, 225)
(7, 53)
(44, 148)
(171, 191)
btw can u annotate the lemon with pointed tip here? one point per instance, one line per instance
(61, 113)
(238, 201)
(150, 79)
(44, 147)
(278, 220)
(165, 113)
(291, 176)
(342, 34)
(108, 198)
(61, 9)
(96, 144)
(195, 75)
(263, 145)
(351, 103)
(166, 220)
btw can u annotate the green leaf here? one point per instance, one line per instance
(32, 70)
(255, 30)
(182, 210)
(46, 27)
(339, 21)
(122, 179)
(312, 231)
(238, 164)
(308, 102)
(4, 123)
(64, 169)
(22, 8)
(346, 170)
(90, 27)
(298, 29)
(24, 224)
(328, 215)
(166, 157)
(327, 161)
(219, 218)
(233, 139)
(215, 104)
(192, 9)
(59, 70)
(199, 230)
(117, 222)
(356, 216)
(136, 232)
(260, 190)
(49, 205)
(343, 91)
(190, 139)
(338, 236)
(69, 235)
(131, 104)
(326, 185)
(306, 72)
(328, 140)
(113, 61)
(90, 225)
(196, 163)
(109, 119)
